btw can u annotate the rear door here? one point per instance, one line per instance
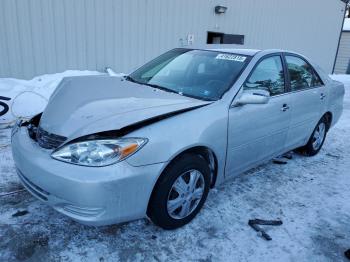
(257, 132)
(307, 93)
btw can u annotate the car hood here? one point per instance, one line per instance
(91, 104)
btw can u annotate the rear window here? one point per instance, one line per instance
(302, 75)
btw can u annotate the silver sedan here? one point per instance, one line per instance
(153, 143)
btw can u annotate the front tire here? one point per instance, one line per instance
(317, 138)
(180, 192)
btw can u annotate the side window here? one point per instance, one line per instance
(302, 75)
(268, 75)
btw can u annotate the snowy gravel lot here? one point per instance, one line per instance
(310, 195)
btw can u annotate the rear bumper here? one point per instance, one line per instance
(90, 195)
(337, 111)
(336, 102)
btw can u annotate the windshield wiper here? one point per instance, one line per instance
(179, 93)
(162, 88)
(129, 78)
(201, 97)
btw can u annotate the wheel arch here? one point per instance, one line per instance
(203, 151)
(209, 156)
(329, 117)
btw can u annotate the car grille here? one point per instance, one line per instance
(48, 140)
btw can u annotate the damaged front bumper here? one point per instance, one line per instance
(90, 195)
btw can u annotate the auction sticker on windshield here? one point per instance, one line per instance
(236, 58)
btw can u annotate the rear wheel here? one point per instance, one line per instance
(317, 139)
(180, 192)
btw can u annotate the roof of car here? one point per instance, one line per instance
(249, 52)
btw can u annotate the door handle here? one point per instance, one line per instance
(322, 96)
(285, 107)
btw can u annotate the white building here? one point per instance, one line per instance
(38, 37)
(342, 65)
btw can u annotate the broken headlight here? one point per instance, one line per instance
(100, 152)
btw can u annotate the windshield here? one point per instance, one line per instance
(206, 75)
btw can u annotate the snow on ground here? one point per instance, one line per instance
(310, 195)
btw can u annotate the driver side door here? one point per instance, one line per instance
(258, 132)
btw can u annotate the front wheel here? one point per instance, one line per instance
(180, 192)
(317, 139)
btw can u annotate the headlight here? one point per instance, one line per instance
(99, 152)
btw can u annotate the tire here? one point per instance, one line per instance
(315, 142)
(168, 204)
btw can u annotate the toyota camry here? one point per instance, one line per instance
(153, 143)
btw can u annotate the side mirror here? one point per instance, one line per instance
(254, 96)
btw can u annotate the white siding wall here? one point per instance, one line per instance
(343, 57)
(46, 36)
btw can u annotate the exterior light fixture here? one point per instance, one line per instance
(219, 9)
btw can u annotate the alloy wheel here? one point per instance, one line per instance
(185, 194)
(319, 136)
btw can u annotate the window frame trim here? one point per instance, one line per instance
(285, 54)
(280, 54)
